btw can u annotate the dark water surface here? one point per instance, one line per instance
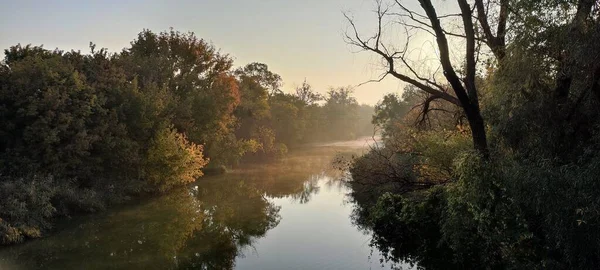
(291, 214)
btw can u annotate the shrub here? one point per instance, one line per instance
(25, 208)
(172, 160)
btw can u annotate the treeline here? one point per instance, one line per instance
(494, 163)
(80, 131)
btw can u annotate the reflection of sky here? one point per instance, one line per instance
(297, 39)
(313, 235)
(291, 214)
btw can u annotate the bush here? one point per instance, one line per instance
(407, 229)
(25, 208)
(498, 213)
(172, 160)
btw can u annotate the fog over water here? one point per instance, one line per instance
(292, 214)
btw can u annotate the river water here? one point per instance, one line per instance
(289, 214)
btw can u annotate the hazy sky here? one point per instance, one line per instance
(297, 39)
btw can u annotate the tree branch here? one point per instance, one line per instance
(498, 42)
(389, 58)
(442, 43)
(470, 53)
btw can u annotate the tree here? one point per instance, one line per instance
(465, 93)
(390, 111)
(88, 130)
(528, 206)
(287, 120)
(201, 91)
(306, 94)
(341, 113)
(260, 72)
(173, 161)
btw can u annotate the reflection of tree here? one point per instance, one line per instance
(149, 235)
(406, 231)
(295, 177)
(204, 227)
(236, 215)
(309, 188)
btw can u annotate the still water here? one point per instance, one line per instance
(290, 214)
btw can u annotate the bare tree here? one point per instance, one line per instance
(464, 91)
(482, 22)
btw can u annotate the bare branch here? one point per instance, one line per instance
(496, 43)
(421, 78)
(374, 80)
(465, 96)
(483, 21)
(389, 58)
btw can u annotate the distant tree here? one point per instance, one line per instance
(260, 73)
(306, 94)
(341, 113)
(287, 118)
(389, 111)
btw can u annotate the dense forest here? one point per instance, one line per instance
(80, 132)
(490, 162)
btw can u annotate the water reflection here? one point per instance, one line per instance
(201, 228)
(212, 224)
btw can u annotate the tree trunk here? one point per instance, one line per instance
(466, 94)
(477, 131)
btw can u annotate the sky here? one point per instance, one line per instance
(297, 39)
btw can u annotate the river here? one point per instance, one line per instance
(289, 214)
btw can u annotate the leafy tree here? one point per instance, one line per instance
(287, 118)
(195, 75)
(527, 205)
(172, 160)
(83, 131)
(341, 113)
(306, 94)
(260, 73)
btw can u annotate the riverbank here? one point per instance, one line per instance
(261, 216)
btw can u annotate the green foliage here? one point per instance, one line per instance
(390, 111)
(25, 207)
(288, 123)
(106, 126)
(498, 214)
(341, 113)
(96, 123)
(172, 160)
(532, 204)
(408, 230)
(483, 224)
(261, 74)
(47, 111)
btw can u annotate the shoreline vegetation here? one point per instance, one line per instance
(82, 132)
(492, 161)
